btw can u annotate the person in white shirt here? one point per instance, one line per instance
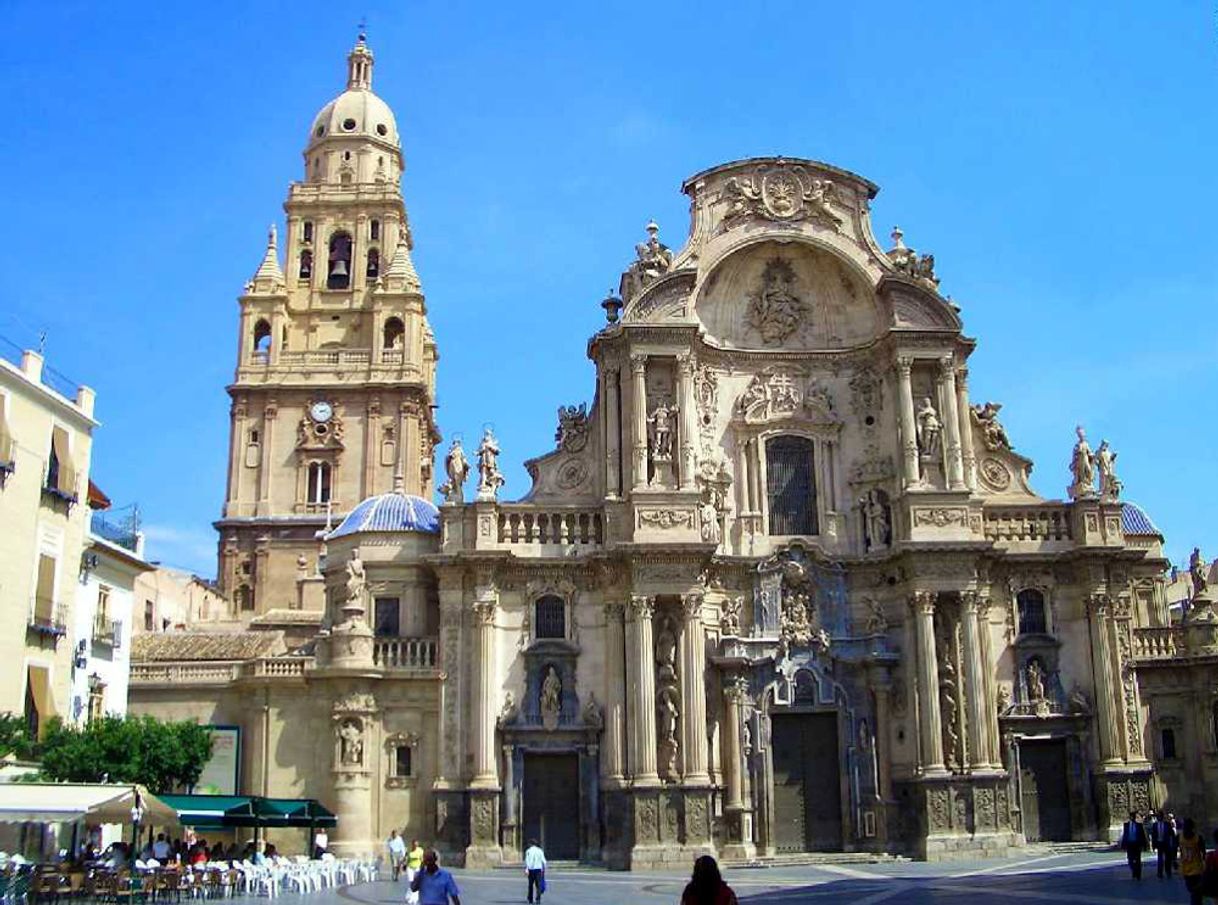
(161, 848)
(397, 852)
(535, 869)
(321, 842)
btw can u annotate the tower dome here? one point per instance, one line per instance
(394, 512)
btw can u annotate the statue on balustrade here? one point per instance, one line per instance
(653, 260)
(1082, 467)
(490, 478)
(1036, 681)
(456, 466)
(928, 429)
(1105, 463)
(1198, 571)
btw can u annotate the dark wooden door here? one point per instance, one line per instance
(1044, 795)
(807, 782)
(551, 804)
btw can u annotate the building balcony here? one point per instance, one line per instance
(1048, 522)
(122, 533)
(105, 631)
(47, 620)
(1159, 642)
(527, 527)
(405, 653)
(62, 484)
(8, 452)
(262, 364)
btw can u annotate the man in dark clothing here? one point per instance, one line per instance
(1163, 840)
(1134, 841)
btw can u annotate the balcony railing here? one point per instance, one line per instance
(47, 619)
(105, 630)
(122, 532)
(1027, 523)
(404, 653)
(187, 673)
(332, 359)
(528, 524)
(1158, 643)
(62, 484)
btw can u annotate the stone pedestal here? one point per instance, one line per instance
(483, 850)
(353, 837)
(349, 646)
(950, 818)
(1117, 792)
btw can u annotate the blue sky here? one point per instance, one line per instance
(1057, 158)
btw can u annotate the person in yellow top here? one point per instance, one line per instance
(414, 862)
(1192, 861)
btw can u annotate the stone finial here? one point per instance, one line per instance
(399, 484)
(898, 240)
(269, 275)
(401, 275)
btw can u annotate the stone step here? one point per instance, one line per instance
(797, 859)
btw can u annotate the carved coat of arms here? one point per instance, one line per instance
(781, 193)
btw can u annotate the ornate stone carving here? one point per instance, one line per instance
(940, 517)
(351, 742)
(1082, 468)
(592, 714)
(665, 519)
(866, 392)
(482, 818)
(782, 193)
(873, 468)
(640, 607)
(1198, 573)
(551, 699)
(877, 520)
(729, 616)
(777, 393)
(359, 702)
(706, 398)
(995, 475)
(938, 810)
(1105, 464)
(875, 622)
(907, 260)
(356, 587)
(490, 478)
(660, 426)
(508, 712)
(572, 433)
(571, 474)
(653, 259)
(928, 428)
(993, 434)
(774, 309)
(456, 466)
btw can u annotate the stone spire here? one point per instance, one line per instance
(359, 66)
(401, 275)
(269, 276)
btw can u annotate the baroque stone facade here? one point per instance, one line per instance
(780, 586)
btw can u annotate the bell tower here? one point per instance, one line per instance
(336, 361)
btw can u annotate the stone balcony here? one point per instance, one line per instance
(405, 653)
(352, 364)
(1159, 642)
(1040, 524)
(218, 673)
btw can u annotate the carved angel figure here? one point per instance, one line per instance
(1082, 467)
(993, 434)
(775, 311)
(1198, 571)
(1105, 464)
(490, 479)
(456, 466)
(928, 428)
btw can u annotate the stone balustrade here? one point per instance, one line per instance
(404, 653)
(1049, 522)
(274, 668)
(305, 360)
(1159, 642)
(526, 524)
(184, 673)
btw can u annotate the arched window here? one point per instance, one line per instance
(374, 263)
(791, 485)
(1031, 604)
(262, 337)
(245, 598)
(1168, 738)
(374, 230)
(550, 617)
(306, 264)
(308, 231)
(318, 489)
(395, 330)
(339, 274)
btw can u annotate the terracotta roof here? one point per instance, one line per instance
(206, 646)
(96, 499)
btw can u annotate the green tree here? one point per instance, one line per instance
(15, 737)
(163, 756)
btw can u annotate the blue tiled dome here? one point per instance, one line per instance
(391, 512)
(1134, 520)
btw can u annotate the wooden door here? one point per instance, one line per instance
(807, 782)
(550, 801)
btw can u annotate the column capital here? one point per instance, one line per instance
(904, 364)
(1097, 605)
(970, 601)
(484, 612)
(947, 366)
(271, 409)
(614, 609)
(638, 363)
(691, 605)
(610, 369)
(961, 378)
(640, 608)
(736, 689)
(685, 362)
(923, 602)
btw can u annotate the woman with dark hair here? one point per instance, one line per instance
(706, 886)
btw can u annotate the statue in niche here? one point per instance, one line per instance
(660, 420)
(351, 743)
(551, 698)
(708, 518)
(490, 478)
(1004, 699)
(456, 466)
(666, 652)
(993, 434)
(1105, 464)
(668, 712)
(357, 583)
(729, 618)
(508, 712)
(1198, 572)
(877, 520)
(928, 428)
(1036, 681)
(774, 310)
(1082, 468)
(876, 622)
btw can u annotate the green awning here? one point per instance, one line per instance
(293, 812)
(219, 811)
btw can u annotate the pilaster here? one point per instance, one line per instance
(909, 434)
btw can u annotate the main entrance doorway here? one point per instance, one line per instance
(551, 804)
(807, 782)
(1044, 795)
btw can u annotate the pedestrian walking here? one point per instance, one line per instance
(1192, 861)
(1163, 841)
(1134, 841)
(535, 869)
(397, 853)
(706, 886)
(321, 842)
(1173, 854)
(435, 885)
(414, 863)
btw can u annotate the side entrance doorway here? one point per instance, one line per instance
(550, 804)
(1044, 794)
(807, 782)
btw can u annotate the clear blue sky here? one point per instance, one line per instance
(1057, 158)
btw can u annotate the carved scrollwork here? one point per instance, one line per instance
(781, 193)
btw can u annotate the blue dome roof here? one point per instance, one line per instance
(1134, 520)
(390, 512)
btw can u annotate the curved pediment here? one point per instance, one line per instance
(667, 300)
(774, 294)
(910, 306)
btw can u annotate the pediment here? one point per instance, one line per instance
(911, 306)
(667, 300)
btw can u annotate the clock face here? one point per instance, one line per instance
(321, 412)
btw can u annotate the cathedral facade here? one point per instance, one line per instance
(780, 586)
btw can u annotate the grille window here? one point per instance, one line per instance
(388, 614)
(551, 618)
(1031, 612)
(790, 485)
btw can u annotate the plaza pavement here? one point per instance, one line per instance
(1036, 875)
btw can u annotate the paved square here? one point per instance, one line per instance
(1087, 878)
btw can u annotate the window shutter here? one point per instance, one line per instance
(44, 600)
(66, 480)
(6, 439)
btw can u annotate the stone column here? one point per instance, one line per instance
(613, 433)
(265, 467)
(993, 745)
(638, 388)
(951, 422)
(372, 446)
(1101, 654)
(883, 733)
(909, 432)
(408, 447)
(966, 429)
(485, 776)
(759, 503)
(689, 419)
(509, 797)
(641, 680)
(740, 843)
(693, 691)
(931, 733)
(612, 747)
(977, 703)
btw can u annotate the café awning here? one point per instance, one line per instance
(37, 802)
(217, 811)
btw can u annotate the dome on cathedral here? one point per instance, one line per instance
(357, 112)
(1135, 521)
(393, 512)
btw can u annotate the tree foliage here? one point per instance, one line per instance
(15, 737)
(163, 756)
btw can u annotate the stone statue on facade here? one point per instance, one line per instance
(356, 586)
(1105, 464)
(876, 622)
(729, 616)
(572, 433)
(351, 744)
(1198, 572)
(877, 520)
(1036, 681)
(661, 421)
(1082, 467)
(668, 712)
(653, 260)
(508, 712)
(1079, 702)
(774, 310)
(708, 519)
(490, 479)
(551, 698)
(591, 712)
(456, 466)
(908, 261)
(993, 434)
(928, 428)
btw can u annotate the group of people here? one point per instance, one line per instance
(165, 851)
(1176, 847)
(408, 861)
